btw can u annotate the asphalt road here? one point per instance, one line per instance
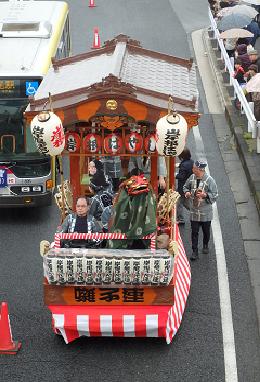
(196, 353)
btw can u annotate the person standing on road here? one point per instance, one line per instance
(185, 171)
(201, 190)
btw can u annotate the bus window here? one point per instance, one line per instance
(11, 125)
(63, 49)
(30, 142)
(32, 170)
(67, 38)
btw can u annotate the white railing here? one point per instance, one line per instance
(253, 126)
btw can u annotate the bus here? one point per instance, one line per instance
(31, 33)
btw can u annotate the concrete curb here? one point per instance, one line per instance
(237, 124)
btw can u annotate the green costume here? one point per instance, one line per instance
(135, 216)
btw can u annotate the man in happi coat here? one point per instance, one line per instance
(81, 222)
(201, 190)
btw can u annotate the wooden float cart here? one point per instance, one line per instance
(107, 100)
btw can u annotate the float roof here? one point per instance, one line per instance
(121, 66)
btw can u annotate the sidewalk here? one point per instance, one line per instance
(241, 162)
(246, 146)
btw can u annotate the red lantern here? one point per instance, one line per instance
(92, 143)
(113, 144)
(150, 144)
(72, 142)
(134, 142)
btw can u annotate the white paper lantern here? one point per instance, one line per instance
(171, 132)
(48, 133)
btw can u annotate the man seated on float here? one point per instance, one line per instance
(144, 164)
(81, 222)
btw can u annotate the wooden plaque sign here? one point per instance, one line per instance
(90, 295)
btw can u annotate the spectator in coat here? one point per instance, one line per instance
(242, 54)
(185, 171)
(214, 7)
(254, 59)
(201, 190)
(254, 96)
(253, 28)
(239, 73)
(230, 45)
(224, 4)
(252, 70)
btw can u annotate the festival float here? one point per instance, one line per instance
(117, 105)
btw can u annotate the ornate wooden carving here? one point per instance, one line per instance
(122, 38)
(112, 85)
(111, 122)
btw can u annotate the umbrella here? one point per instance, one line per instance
(235, 20)
(243, 9)
(256, 2)
(253, 85)
(236, 33)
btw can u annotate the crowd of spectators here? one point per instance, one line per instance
(242, 50)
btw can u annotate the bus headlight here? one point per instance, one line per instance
(49, 184)
(37, 188)
(25, 189)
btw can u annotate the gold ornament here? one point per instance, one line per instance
(111, 104)
(173, 248)
(68, 197)
(44, 247)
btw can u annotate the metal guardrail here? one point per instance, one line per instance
(253, 126)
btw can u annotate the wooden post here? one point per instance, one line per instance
(168, 185)
(62, 189)
(154, 175)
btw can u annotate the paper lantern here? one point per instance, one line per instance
(171, 132)
(113, 144)
(48, 133)
(150, 144)
(92, 143)
(72, 142)
(133, 142)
